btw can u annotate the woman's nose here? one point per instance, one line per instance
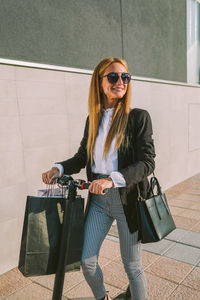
(119, 80)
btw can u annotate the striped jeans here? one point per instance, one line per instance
(103, 211)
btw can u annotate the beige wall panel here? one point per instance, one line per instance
(13, 199)
(38, 89)
(7, 72)
(42, 106)
(44, 130)
(77, 91)
(76, 125)
(8, 107)
(168, 107)
(30, 74)
(39, 160)
(12, 164)
(194, 162)
(194, 123)
(10, 237)
(7, 89)
(10, 134)
(152, 97)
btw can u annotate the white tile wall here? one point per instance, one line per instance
(7, 72)
(169, 108)
(44, 130)
(194, 123)
(12, 168)
(39, 89)
(7, 89)
(13, 198)
(10, 133)
(39, 160)
(10, 237)
(30, 74)
(77, 90)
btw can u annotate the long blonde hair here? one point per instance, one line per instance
(95, 103)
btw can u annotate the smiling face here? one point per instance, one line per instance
(113, 91)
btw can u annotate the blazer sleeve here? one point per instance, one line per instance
(143, 146)
(79, 160)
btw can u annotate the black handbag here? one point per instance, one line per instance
(42, 234)
(154, 217)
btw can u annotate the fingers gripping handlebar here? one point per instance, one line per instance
(79, 183)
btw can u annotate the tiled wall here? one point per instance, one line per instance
(42, 117)
(175, 112)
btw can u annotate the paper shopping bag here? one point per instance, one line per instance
(42, 233)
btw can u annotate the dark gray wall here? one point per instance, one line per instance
(155, 42)
(150, 35)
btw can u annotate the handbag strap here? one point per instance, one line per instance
(153, 182)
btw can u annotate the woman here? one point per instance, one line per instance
(118, 152)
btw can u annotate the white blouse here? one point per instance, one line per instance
(109, 164)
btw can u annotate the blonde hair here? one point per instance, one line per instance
(95, 103)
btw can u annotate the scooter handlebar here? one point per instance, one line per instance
(81, 184)
(85, 186)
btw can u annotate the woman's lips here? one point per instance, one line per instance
(120, 89)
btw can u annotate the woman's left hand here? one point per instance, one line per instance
(99, 185)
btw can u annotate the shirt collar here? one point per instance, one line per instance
(108, 111)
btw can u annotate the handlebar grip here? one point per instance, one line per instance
(85, 186)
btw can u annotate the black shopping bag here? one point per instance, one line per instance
(42, 233)
(154, 217)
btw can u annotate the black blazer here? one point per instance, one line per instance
(135, 161)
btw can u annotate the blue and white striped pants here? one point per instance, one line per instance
(103, 211)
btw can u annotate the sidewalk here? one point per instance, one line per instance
(172, 266)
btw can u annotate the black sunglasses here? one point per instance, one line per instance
(113, 77)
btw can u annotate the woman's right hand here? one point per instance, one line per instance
(49, 176)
